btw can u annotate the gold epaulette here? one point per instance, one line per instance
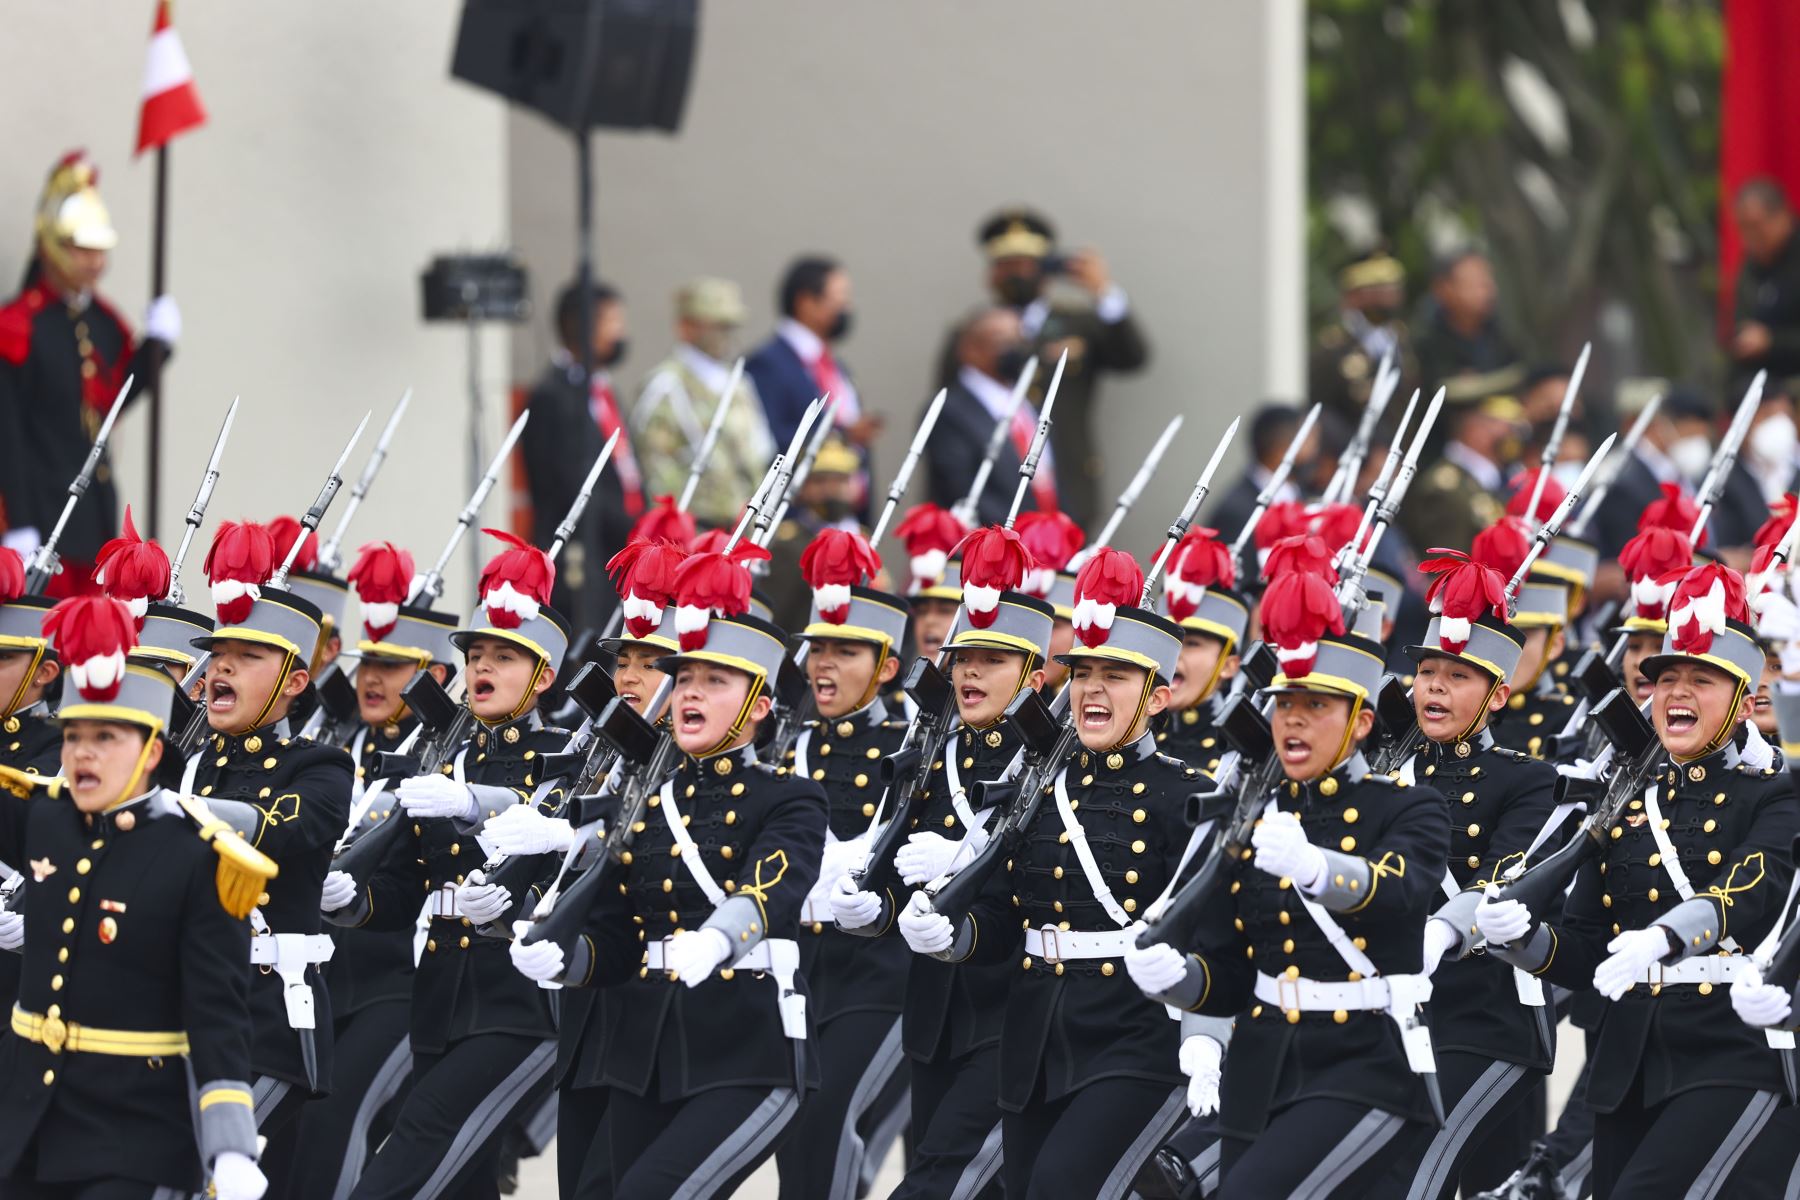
(23, 783)
(244, 871)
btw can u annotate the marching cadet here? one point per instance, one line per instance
(370, 976)
(934, 586)
(856, 985)
(953, 1012)
(1648, 559)
(1693, 871)
(29, 668)
(483, 1039)
(1539, 704)
(135, 956)
(287, 797)
(1489, 1052)
(1089, 1076)
(1326, 1079)
(705, 1051)
(1198, 596)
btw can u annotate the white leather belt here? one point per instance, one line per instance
(1716, 969)
(758, 958)
(443, 902)
(780, 957)
(288, 955)
(816, 912)
(1310, 995)
(1055, 945)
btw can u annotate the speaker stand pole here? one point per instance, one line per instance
(580, 589)
(477, 453)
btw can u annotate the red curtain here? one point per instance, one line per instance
(1760, 115)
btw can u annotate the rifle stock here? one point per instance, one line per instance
(907, 770)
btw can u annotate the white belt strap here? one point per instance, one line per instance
(1084, 853)
(1311, 995)
(780, 957)
(690, 853)
(290, 954)
(1055, 945)
(802, 763)
(1671, 861)
(189, 773)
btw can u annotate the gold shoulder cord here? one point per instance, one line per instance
(244, 871)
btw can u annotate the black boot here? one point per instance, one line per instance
(1538, 1179)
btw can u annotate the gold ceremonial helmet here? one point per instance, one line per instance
(70, 212)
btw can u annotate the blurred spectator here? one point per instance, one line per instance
(796, 364)
(1675, 448)
(1272, 430)
(1330, 440)
(1763, 473)
(1464, 492)
(990, 353)
(569, 424)
(1541, 397)
(676, 403)
(1100, 335)
(1461, 333)
(1346, 354)
(1766, 315)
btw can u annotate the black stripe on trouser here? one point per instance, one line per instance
(846, 1171)
(488, 1116)
(1749, 1124)
(382, 1088)
(748, 1143)
(1119, 1180)
(1489, 1088)
(982, 1167)
(1365, 1140)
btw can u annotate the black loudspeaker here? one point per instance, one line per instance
(619, 64)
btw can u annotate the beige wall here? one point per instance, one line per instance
(338, 158)
(1164, 132)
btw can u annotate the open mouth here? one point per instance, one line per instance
(1095, 716)
(1641, 687)
(1294, 750)
(825, 690)
(482, 689)
(970, 696)
(691, 720)
(1762, 702)
(1436, 712)
(1682, 719)
(86, 779)
(630, 698)
(1180, 679)
(374, 699)
(221, 697)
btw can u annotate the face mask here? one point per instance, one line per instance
(1379, 314)
(1773, 441)
(1691, 456)
(834, 510)
(1010, 363)
(612, 357)
(840, 328)
(1019, 290)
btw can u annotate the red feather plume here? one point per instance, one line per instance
(92, 635)
(707, 585)
(1108, 581)
(1199, 561)
(1502, 546)
(1462, 591)
(1304, 554)
(643, 574)
(284, 530)
(516, 583)
(1336, 524)
(994, 560)
(1704, 599)
(1297, 610)
(1676, 510)
(1052, 539)
(663, 522)
(240, 561)
(12, 575)
(130, 569)
(1781, 519)
(1653, 561)
(713, 542)
(382, 576)
(1521, 497)
(832, 563)
(1279, 521)
(929, 533)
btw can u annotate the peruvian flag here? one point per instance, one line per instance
(1759, 96)
(171, 101)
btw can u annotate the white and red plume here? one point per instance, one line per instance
(1654, 561)
(1200, 560)
(1704, 600)
(93, 635)
(712, 584)
(132, 570)
(1053, 539)
(286, 530)
(834, 562)
(241, 559)
(12, 575)
(1108, 581)
(643, 574)
(663, 522)
(1554, 493)
(1462, 591)
(1299, 606)
(994, 560)
(516, 583)
(929, 534)
(382, 576)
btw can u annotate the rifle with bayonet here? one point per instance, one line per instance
(309, 520)
(1553, 444)
(703, 456)
(431, 586)
(1277, 479)
(331, 552)
(903, 477)
(967, 510)
(45, 562)
(197, 511)
(905, 773)
(1129, 497)
(801, 469)
(1350, 463)
(1725, 457)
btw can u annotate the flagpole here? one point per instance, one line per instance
(158, 256)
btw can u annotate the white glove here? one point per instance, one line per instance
(1633, 953)
(481, 901)
(1501, 923)
(162, 320)
(1156, 968)
(1440, 939)
(540, 961)
(26, 539)
(693, 954)
(1282, 849)
(12, 930)
(437, 796)
(237, 1177)
(925, 857)
(1790, 659)
(339, 891)
(1200, 1059)
(925, 931)
(851, 908)
(1759, 1004)
(522, 829)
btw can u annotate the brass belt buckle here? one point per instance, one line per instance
(1282, 986)
(1052, 944)
(54, 1033)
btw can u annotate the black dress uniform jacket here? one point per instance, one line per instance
(760, 832)
(371, 965)
(1403, 834)
(31, 742)
(1071, 1024)
(1530, 721)
(301, 792)
(1731, 825)
(1192, 734)
(465, 983)
(124, 932)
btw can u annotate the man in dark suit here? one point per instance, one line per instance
(1766, 302)
(990, 351)
(1272, 429)
(569, 424)
(1020, 247)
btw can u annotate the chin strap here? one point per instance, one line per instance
(137, 773)
(525, 701)
(882, 650)
(1727, 727)
(1132, 731)
(1347, 747)
(287, 665)
(18, 696)
(1481, 713)
(742, 720)
(1543, 664)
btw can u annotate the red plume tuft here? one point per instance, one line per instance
(382, 576)
(284, 530)
(1676, 510)
(1108, 581)
(1521, 497)
(832, 563)
(92, 635)
(1302, 553)
(516, 583)
(1199, 561)
(1704, 600)
(713, 542)
(707, 585)
(241, 559)
(1654, 560)
(663, 522)
(994, 560)
(929, 533)
(1781, 519)
(1280, 521)
(12, 575)
(1052, 539)
(643, 573)
(1502, 546)
(1462, 591)
(1297, 609)
(130, 569)
(1336, 524)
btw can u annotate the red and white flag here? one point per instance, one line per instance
(171, 101)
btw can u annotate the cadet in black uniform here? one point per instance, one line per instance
(856, 985)
(288, 798)
(1540, 704)
(950, 1025)
(127, 1072)
(1693, 871)
(483, 1039)
(1320, 961)
(1214, 620)
(1090, 1082)
(706, 1052)
(29, 668)
(1490, 1050)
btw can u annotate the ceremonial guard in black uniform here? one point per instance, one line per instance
(856, 985)
(1540, 704)
(707, 1044)
(1198, 595)
(1317, 952)
(951, 1022)
(483, 1039)
(127, 1074)
(288, 798)
(1691, 871)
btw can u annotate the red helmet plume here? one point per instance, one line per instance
(132, 570)
(1676, 510)
(713, 542)
(517, 582)
(1781, 519)
(929, 533)
(1335, 523)
(1052, 539)
(92, 636)
(240, 561)
(1298, 608)
(663, 522)
(994, 560)
(1199, 561)
(1502, 546)
(382, 576)
(284, 530)
(12, 575)
(1521, 497)
(1462, 591)
(707, 585)
(1302, 553)
(1108, 581)
(1284, 519)
(643, 573)
(834, 562)
(1704, 599)
(1654, 561)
